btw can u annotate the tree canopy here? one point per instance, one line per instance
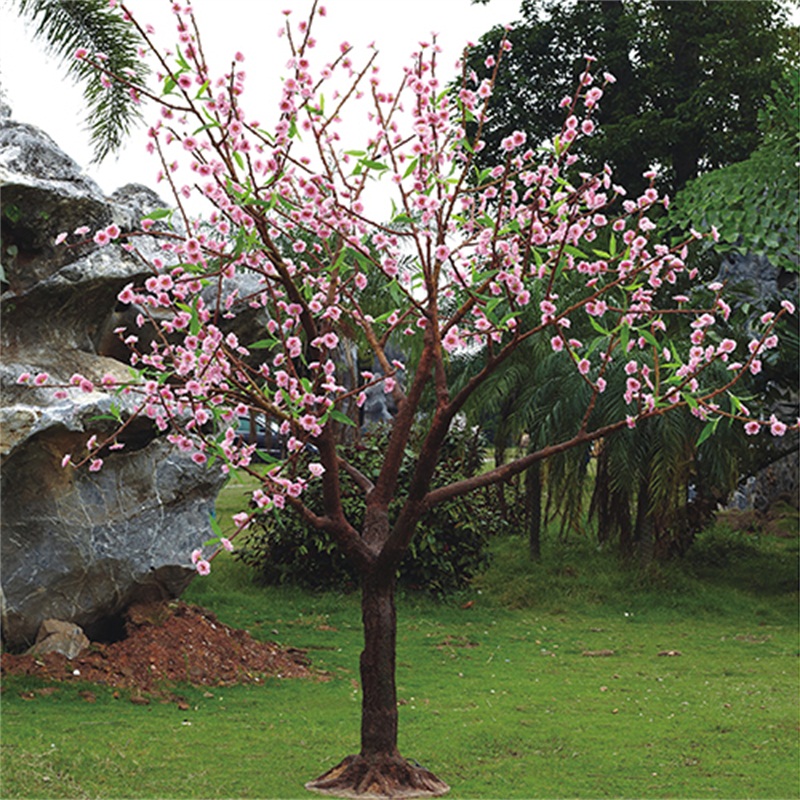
(755, 203)
(691, 79)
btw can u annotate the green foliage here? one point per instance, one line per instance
(691, 80)
(755, 203)
(66, 25)
(448, 549)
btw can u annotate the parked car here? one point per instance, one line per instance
(265, 435)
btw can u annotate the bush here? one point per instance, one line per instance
(721, 547)
(448, 549)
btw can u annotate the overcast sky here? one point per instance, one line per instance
(37, 92)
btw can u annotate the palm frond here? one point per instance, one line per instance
(66, 25)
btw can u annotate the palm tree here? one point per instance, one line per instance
(66, 25)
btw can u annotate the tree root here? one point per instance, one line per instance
(379, 777)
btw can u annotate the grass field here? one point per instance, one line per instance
(511, 697)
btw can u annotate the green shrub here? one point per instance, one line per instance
(720, 546)
(448, 549)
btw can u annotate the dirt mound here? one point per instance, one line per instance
(165, 644)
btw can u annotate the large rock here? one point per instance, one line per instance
(77, 545)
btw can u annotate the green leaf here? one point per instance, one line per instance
(340, 416)
(214, 526)
(411, 167)
(624, 336)
(373, 164)
(649, 338)
(598, 327)
(263, 344)
(707, 431)
(159, 213)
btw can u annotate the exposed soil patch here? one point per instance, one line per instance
(165, 644)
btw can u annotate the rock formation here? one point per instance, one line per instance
(78, 545)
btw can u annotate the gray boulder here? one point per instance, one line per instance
(77, 545)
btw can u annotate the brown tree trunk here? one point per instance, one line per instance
(379, 769)
(379, 705)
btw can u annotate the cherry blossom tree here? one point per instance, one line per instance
(462, 260)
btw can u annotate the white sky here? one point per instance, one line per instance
(35, 88)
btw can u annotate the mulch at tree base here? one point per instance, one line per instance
(169, 643)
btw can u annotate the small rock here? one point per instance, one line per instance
(57, 636)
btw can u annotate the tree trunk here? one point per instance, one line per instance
(378, 770)
(379, 704)
(644, 533)
(533, 510)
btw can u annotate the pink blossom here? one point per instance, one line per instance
(96, 465)
(203, 567)
(593, 96)
(776, 427)
(788, 306)
(197, 555)
(226, 543)
(584, 366)
(751, 428)
(127, 294)
(24, 377)
(101, 238)
(241, 520)
(66, 460)
(61, 238)
(316, 469)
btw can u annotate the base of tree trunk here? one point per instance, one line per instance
(379, 777)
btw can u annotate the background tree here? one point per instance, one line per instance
(755, 202)
(691, 80)
(66, 25)
(467, 252)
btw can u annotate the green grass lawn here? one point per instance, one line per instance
(498, 699)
